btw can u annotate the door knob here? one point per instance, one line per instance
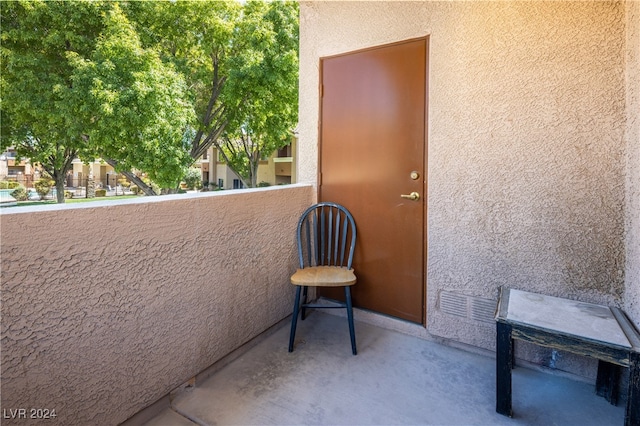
(414, 196)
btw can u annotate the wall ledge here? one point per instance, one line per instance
(145, 200)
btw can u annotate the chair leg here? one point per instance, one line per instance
(352, 332)
(294, 318)
(304, 301)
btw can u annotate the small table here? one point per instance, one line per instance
(585, 329)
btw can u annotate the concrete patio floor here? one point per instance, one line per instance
(396, 379)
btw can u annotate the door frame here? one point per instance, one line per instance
(425, 182)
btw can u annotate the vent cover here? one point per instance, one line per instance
(474, 308)
(483, 309)
(453, 304)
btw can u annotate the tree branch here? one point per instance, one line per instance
(133, 178)
(212, 113)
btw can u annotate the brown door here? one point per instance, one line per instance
(372, 151)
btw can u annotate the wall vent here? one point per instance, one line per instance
(474, 308)
(453, 304)
(483, 309)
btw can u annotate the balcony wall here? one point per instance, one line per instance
(632, 269)
(533, 144)
(107, 307)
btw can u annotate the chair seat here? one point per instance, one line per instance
(324, 276)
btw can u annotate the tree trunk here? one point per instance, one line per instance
(254, 162)
(60, 180)
(133, 178)
(59, 164)
(139, 183)
(212, 114)
(253, 174)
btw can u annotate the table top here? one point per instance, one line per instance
(585, 320)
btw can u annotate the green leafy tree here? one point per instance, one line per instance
(195, 37)
(36, 80)
(76, 81)
(147, 85)
(133, 105)
(192, 178)
(241, 67)
(261, 94)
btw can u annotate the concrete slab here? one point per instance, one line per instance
(170, 417)
(395, 379)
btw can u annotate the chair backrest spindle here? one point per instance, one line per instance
(307, 228)
(326, 233)
(344, 241)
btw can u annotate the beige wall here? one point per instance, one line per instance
(267, 170)
(528, 138)
(632, 288)
(106, 308)
(98, 168)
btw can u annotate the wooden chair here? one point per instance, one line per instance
(326, 236)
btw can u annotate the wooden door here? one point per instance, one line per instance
(372, 151)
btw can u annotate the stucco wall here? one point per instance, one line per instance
(106, 309)
(527, 148)
(632, 293)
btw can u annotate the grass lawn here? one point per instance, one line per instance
(88, 200)
(73, 200)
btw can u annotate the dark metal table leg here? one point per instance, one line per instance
(607, 381)
(504, 365)
(632, 414)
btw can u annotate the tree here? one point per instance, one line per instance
(35, 80)
(261, 94)
(77, 82)
(241, 66)
(148, 85)
(195, 37)
(133, 105)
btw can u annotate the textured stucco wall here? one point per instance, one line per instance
(527, 147)
(107, 309)
(632, 294)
